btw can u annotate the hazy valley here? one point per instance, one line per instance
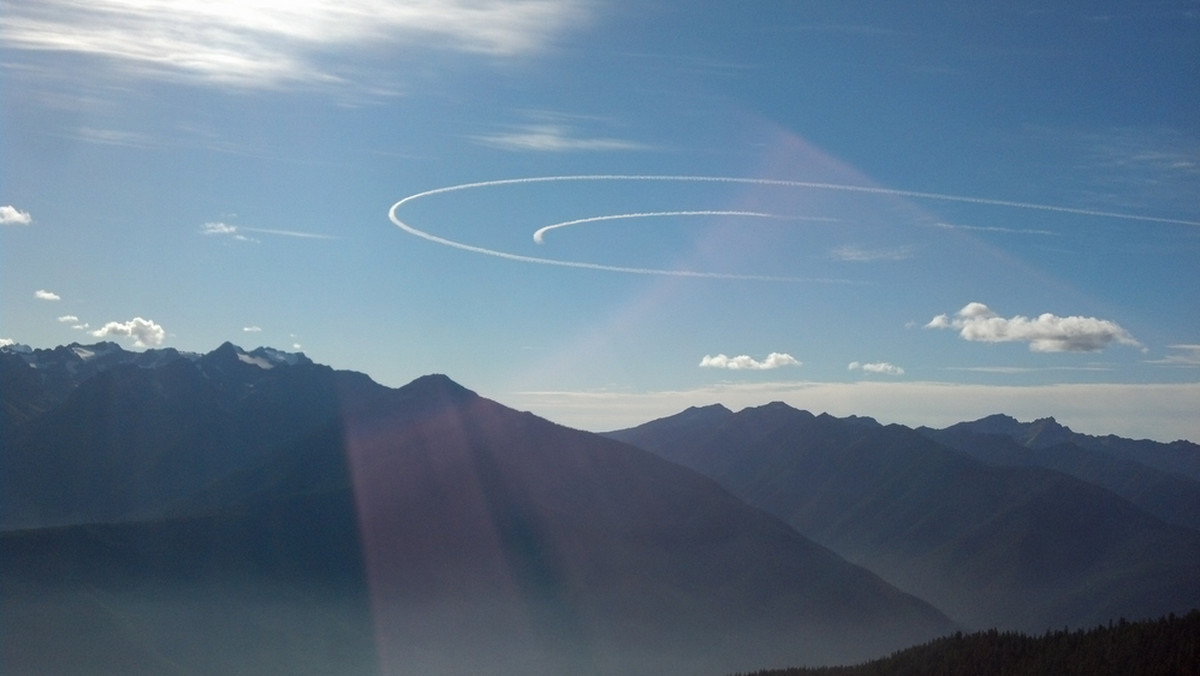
(254, 512)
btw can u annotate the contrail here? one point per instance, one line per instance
(540, 233)
(732, 180)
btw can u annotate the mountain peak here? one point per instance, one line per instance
(438, 385)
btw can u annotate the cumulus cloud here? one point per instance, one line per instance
(144, 332)
(881, 367)
(10, 215)
(553, 138)
(42, 294)
(745, 362)
(1044, 333)
(265, 44)
(5, 342)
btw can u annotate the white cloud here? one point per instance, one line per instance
(881, 367)
(144, 332)
(221, 229)
(855, 254)
(270, 44)
(42, 294)
(5, 342)
(745, 362)
(251, 329)
(10, 215)
(69, 319)
(553, 138)
(1044, 333)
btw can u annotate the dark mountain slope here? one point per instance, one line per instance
(1020, 548)
(294, 519)
(1170, 496)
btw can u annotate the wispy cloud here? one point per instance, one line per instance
(878, 367)
(745, 362)
(145, 333)
(857, 254)
(269, 44)
(221, 229)
(10, 215)
(69, 319)
(1181, 355)
(993, 228)
(252, 329)
(1044, 333)
(553, 138)
(42, 294)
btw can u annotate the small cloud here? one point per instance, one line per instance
(553, 138)
(1044, 333)
(5, 342)
(251, 329)
(221, 229)
(42, 294)
(144, 332)
(858, 255)
(881, 367)
(10, 215)
(69, 319)
(745, 362)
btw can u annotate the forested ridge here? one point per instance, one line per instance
(1169, 646)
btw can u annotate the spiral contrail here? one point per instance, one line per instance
(540, 234)
(913, 194)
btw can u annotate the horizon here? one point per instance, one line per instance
(604, 211)
(659, 405)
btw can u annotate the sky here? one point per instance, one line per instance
(606, 211)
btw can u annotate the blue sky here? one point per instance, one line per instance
(941, 210)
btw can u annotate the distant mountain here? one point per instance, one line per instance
(1001, 440)
(1181, 457)
(253, 512)
(1011, 547)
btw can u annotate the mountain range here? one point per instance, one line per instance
(254, 512)
(1008, 543)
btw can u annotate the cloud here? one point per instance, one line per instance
(1182, 355)
(5, 342)
(144, 332)
(42, 294)
(69, 319)
(993, 228)
(1045, 333)
(269, 44)
(221, 229)
(881, 367)
(251, 329)
(745, 362)
(553, 138)
(10, 215)
(856, 254)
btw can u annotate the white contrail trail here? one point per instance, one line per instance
(540, 234)
(733, 180)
